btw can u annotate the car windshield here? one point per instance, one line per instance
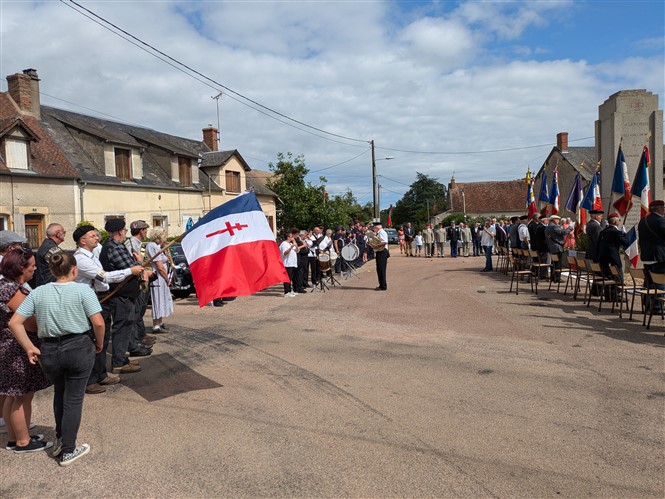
(177, 254)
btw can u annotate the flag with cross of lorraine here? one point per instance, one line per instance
(232, 251)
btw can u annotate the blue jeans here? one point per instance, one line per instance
(67, 362)
(488, 257)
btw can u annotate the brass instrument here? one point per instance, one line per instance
(374, 242)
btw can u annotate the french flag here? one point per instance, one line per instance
(641, 183)
(632, 251)
(232, 251)
(554, 193)
(621, 185)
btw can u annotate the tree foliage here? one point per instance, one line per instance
(426, 196)
(303, 205)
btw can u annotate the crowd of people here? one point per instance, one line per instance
(314, 256)
(58, 313)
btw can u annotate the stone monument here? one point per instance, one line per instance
(630, 118)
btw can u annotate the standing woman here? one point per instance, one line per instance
(162, 301)
(19, 379)
(401, 240)
(67, 352)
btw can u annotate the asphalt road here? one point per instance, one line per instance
(445, 385)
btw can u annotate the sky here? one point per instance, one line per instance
(477, 90)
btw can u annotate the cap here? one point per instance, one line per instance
(656, 203)
(114, 225)
(555, 217)
(138, 225)
(596, 212)
(81, 231)
(338, 227)
(614, 214)
(8, 237)
(377, 223)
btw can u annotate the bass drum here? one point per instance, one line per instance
(350, 252)
(324, 262)
(333, 257)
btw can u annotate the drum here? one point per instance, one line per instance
(350, 252)
(324, 262)
(333, 257)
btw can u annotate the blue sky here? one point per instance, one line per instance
(431, 77)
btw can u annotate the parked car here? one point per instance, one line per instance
(392, 236)
(182, 284)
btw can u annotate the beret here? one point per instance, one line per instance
(524, 217)
(614, 214)
(596, 212)
(81, 231)
(114, 225)
(656, 203)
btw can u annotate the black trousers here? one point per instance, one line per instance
(381, 267)
(303, 260)
(99, 372)
(313, 264)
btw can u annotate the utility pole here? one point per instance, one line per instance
(375, 192)
(217, 97)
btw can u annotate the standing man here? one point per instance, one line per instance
(428, 240)
(439, 239)
(523, 233)
(55, 235)
(381, 252)
(611, 239)
(453, 236)
(91, 272)
(475, 238)
(466, 238)
(555, 236)
(314, 241)
(487, 240)
(593, 229)
(540, 243)
(513, 237)
(115, 256)
(652, 241)
(139, 231)
(409, 236)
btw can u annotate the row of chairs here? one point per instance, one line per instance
(524, 264)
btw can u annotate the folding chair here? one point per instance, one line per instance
(657, 295)
(521, 268)
(537, 267)
(573, 275)
(557, 274)
(646, 294)
(597, 279)
(622, 290)
(582, 275)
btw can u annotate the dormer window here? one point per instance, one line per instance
(232, 181)
(185, 171)
(16, 153)
(123, 163)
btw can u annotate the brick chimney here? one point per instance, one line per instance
(23, 88)
(562, 141)
(211, 137)
(452, 185)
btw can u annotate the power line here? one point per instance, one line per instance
(198, 73)
(339, 164)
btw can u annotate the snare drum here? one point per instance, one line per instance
(324, 262)
(350, 252)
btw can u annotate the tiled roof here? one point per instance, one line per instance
(220, 158)
(256, 179)
(491, 197)
(46, 157)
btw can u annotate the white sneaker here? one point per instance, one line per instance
(291, 294)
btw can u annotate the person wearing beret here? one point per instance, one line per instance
(555, 235)
(382, 255)
(652, 241)
(593, 229)
(91, 273)
(116, 256)
(55, 235)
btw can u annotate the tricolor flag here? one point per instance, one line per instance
(573, 204)
(530, 199)
(232, 251)
(631, 250)
(621, 186)
(389, 222)
(543, 196)
(592, 199)
(641, 183)
(554, 192)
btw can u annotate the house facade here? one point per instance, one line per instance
(65, 167)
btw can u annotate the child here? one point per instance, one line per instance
(419, 242)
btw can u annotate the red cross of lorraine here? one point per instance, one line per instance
(229, 228)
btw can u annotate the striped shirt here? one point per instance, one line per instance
(61, 309)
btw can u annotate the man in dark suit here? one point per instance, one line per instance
(593, 229)
(409, 234)
(609, 242)
(651, 231)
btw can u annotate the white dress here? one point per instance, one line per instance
(162, 301)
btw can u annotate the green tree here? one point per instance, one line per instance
(304, 205)
(426, 196)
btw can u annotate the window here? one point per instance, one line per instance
(233, 181)
(161, 221)
(34, 230)
(270, 222)
(16, 152)
(185, 171)
(123, 167)
(4, 222)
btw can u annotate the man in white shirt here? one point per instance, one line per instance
(91, 272)
(523, 233)
(381, 256)
(289, 251)
(487, 236)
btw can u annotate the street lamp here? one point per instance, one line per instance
(375, 191)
